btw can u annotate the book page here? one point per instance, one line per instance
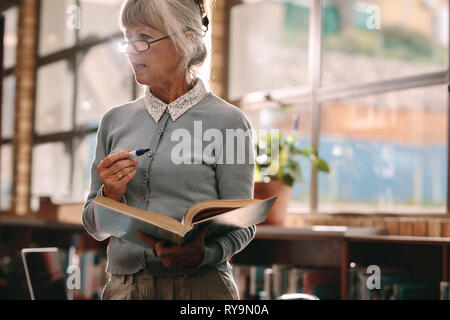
(210, 212)
(225, 204)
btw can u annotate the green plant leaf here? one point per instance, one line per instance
(289, 170)
(321, 165)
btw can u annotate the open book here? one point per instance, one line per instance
(222, 215)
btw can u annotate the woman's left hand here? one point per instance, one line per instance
(188, 255)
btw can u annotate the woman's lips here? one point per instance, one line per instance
(139, 66)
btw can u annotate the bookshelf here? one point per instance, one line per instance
(18, 232)
(426, 258)
(304, 247)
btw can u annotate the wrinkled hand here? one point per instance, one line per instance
(188, 255)
(115, 171)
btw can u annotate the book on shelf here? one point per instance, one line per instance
(267, 293)
(445, 290)
(256, 279)
(221, 215)
(280, 279)
(325, 284)
(266, 282)
(395, 284)
(414, 291)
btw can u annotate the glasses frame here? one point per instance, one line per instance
(141, 40)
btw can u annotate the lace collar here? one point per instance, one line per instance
(176, 108)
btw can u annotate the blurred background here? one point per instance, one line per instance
(364, 83)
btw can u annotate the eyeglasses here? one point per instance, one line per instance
(138, 45)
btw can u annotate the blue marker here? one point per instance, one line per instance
(137, 153)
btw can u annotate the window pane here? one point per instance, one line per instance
(58, 22)
(54, 98)
(51, 172)
(9, 88)
(10, 38)
(99, 18)
(264, 120)
(268, 46)
(104, 81)
(84, 152)
(386, 152)
(6, 180)
(412, 39)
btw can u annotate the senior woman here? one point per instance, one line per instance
(164, 45)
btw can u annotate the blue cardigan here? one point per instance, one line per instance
(169, 187)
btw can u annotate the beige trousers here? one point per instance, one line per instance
(216, 285)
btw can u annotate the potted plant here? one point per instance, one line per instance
(277, 169)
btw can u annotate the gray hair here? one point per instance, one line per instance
(173, 17)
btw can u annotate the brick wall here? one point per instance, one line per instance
(219, 22)
(24, 105)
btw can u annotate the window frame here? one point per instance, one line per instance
(318, 95)
(4, 73)
(71, 55)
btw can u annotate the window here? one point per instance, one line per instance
(387, 152)
(10, 36)
(371, 93)
(84, 152)
(7, 106)
(51, 171)
(81, 75)
(268, 46)
(409, 41)
(6, 180)
(104, 80)
(54, 33)
(94, 11)
(9, 89)
(54, 111)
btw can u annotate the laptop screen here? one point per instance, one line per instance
(44, 274)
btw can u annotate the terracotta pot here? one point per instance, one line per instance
(264, 190)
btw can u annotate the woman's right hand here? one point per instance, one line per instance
(116, 170)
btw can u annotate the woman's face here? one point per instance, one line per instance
(156, 66)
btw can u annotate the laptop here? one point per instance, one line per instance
(44, 274)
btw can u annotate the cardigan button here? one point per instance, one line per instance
(144, 198)
(145, 175)
(150, 153)
(160, 130)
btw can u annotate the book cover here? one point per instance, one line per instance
(444, 290)
(414, 291)
(319, 277)
(256, 281)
